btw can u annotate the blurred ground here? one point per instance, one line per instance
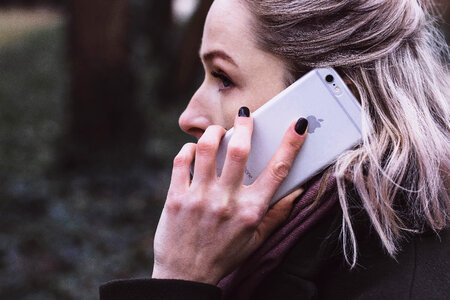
(60, 237)
(15, 23)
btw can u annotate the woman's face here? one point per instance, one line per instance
(237, 73)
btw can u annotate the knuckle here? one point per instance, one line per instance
(279, 171)
(221, 210)
(192, 203)
(238, 153)
(249, 218)
(173, 205)
(294, 144)
(197, 203)
(180, 160)
(190, 147)
(206, 147)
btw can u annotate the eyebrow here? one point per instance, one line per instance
(218, 53)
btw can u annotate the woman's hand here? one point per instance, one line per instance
(209, 226)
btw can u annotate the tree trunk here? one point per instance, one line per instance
(160, 28)
(188, 64)
(184, 66)
(105, 126)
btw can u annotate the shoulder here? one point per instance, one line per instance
(431, 274)
(419, 271)
(315, 267)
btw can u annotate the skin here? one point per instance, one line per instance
(256, 76)
(210, 225)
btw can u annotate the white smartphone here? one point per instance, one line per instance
(334, 126)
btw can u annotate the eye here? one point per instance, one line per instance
(226, 82)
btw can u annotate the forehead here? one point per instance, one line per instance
(227, 28)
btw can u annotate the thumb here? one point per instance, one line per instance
(276, 216)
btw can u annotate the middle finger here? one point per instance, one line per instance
(238, 149)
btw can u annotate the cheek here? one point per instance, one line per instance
(230, 111)
(255, 93)
(266, 81)
(263, 93)
(230, 105)
(253, 99)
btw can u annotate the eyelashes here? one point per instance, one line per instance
(226, 81)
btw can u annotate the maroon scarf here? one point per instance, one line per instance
(319, 197)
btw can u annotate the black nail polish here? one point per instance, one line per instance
(301, 126)
(244, 112)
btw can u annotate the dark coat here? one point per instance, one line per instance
(315, 269)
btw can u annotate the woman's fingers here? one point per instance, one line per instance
(205, 166)
(280, 164)
(238, 150)
(181, 172)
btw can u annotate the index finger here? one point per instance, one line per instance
(280, 164)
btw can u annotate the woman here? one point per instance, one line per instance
(377, 221)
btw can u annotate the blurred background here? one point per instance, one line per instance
(90, 94)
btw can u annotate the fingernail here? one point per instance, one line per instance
(244, 112)
(301, 126)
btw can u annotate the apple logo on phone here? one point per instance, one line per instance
(313, 123)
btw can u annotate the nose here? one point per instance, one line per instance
(197, 115)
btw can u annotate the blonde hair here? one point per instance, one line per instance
(398, 62)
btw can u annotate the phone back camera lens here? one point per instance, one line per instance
(329, 78)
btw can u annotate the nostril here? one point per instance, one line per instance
(197, 132)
